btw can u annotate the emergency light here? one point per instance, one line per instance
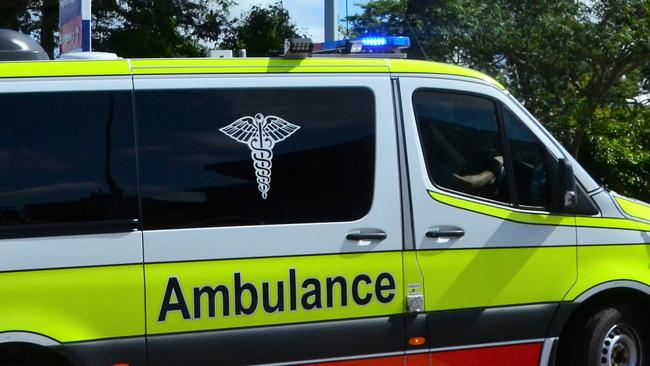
(298, 47)
(370, 46)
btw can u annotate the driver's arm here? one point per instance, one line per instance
(483, 179)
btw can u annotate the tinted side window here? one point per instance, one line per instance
(528, 161)
(66, 157)
(461, 143)
(224, 157)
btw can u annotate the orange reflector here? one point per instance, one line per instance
(121, 364)
(417, 341)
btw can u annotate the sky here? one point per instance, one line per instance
(307, 14)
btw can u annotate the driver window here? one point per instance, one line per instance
(461, 142)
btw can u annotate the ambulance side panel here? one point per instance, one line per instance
(71, 273)
(494, 275)
(272, 219)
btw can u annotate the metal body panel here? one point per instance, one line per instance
(281, 344)
(69, 287)
(131, 351)
(70, 251)
(291, 239)
(262, 256)
(496, 261)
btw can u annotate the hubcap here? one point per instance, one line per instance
(620, 347)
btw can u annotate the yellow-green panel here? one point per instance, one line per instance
(63, 68)
(539, 219)
(503, 213)
(634, 208)
(257, 65)
(469, 278)
(600, 264)
(255, 272)
(74, 304)
(428, 67)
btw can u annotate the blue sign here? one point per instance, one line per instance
(74, 25)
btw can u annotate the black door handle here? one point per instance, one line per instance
(366, 234)
(445, 231)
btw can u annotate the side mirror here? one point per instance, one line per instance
(566, 193)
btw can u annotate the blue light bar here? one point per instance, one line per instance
(373, 41)
(369, 45)
(393, 41)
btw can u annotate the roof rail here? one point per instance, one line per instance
(15, 46)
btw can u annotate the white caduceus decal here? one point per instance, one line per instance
(260, 134)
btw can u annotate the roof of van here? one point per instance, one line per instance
(232, 66)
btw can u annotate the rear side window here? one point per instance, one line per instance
(226, 157)
(461, 143)
(66, 157)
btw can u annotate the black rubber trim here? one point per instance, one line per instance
(408, 230)
(489, 325)
(69, 229)
(132, 351)
(288, 343)
(562, 315)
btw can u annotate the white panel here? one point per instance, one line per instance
(70, 251)
(291, 239)
(65, 84)
(594, 236)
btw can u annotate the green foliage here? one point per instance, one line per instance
(130, 28)
(619, 144)
(158, 28)
(261, 31)
(380, 17)
(570, 62)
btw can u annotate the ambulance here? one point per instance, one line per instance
(338, 205)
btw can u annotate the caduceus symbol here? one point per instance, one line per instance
(260, 134)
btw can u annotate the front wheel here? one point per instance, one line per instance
(613, 335)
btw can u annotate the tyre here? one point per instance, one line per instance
(612, 335)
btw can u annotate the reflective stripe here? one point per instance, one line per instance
(538, 218)
(233, 66)
(74, 304)
(526, 354)
(26, 337)
(63, 68)
(547, 352)
(480, 278)
(520, 353)
(638, 209)
(427, 67)
(603, 267)
(256, 65)
(262, 279)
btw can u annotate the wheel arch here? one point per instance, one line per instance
(621, 291)
(27, 347)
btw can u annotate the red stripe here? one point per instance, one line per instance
(514, 355)
(379, 361)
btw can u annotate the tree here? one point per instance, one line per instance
(158, 28)
(15, 15)
(261, 31)
(38, 18)
(572, 63)
(130, 28)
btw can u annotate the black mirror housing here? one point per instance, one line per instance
(564, 186)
